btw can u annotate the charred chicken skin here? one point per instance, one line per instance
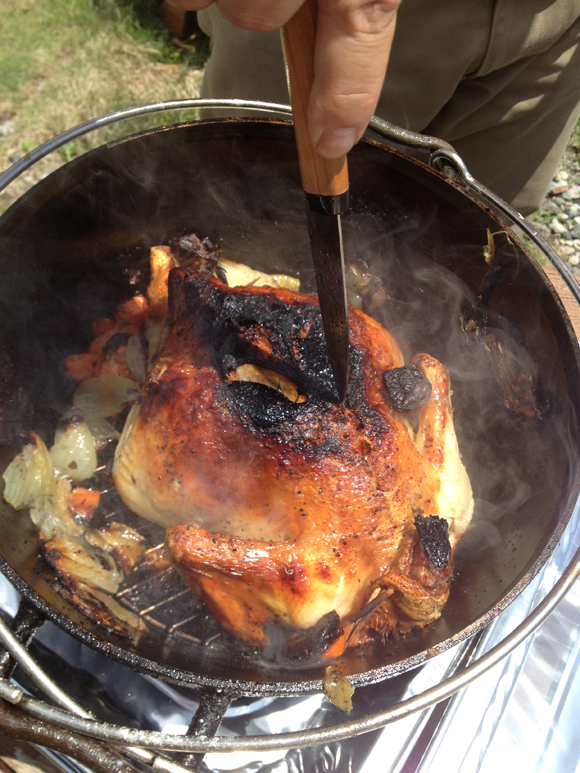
(282, 504)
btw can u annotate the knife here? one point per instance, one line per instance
(325, 182)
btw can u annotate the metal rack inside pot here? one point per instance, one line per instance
(36, 706)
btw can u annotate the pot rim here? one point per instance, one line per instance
(442, 156)
(457, 174)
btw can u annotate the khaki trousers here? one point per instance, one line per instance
(498, 79)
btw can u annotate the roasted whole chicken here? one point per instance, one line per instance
(282, 505)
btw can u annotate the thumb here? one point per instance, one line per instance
(353, 43)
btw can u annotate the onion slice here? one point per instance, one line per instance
(71, 558)
(134, 358)
(338, 689)
(119, 611)
(102, 430)
(29, 478)
(104, 396)
(53, 516)
(240, 275)
(74, 453)
(270, 378)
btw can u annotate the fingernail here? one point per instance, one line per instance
(337, 142)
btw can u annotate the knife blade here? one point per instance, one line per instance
(325, 182)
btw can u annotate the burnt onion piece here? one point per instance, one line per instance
(434, 539)
(201, 255)
(338, 689)
(364, 289)
(510, 365)
(407, 387)
(503, 342)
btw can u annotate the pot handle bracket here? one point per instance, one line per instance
(445, 159)
(443, 156)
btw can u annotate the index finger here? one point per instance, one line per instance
(353, 43)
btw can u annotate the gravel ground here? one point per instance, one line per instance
(559, 218)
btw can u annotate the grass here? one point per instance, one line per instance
(63, 62)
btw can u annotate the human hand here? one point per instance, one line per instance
(353, 43)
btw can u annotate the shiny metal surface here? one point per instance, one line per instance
(328, 258)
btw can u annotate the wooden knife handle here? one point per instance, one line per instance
(321, 176)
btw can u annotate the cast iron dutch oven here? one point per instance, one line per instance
(77, 244)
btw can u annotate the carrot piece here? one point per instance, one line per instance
(101, 325)
(81, 366)
(133, 310)
(84, 501)
(129, 321)
(336, 649)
